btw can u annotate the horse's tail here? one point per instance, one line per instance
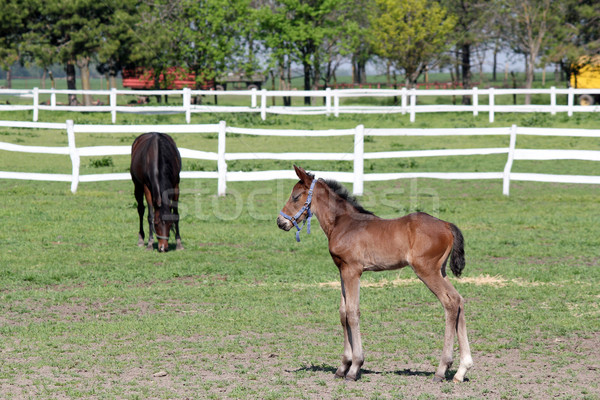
(457, 260)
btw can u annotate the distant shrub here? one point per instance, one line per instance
(101, 162)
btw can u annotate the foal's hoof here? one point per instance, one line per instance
(437, 379)
(351, 377)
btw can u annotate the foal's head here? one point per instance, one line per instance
(296, 202)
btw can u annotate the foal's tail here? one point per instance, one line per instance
(457, 260)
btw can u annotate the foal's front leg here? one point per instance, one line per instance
(352, 340)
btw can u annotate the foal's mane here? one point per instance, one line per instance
(341, 191)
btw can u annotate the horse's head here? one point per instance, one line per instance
(297, 208)
(163, 221)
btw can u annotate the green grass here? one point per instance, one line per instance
(240, 313)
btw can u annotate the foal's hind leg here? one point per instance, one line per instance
(453, 304)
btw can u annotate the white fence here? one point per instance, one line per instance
(357, 177)
(329, 98)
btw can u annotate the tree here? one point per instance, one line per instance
(411, 34)
(69, 32)
(159, 32)
(218, 36)
(357, 32)
(528, 25)
(470, 32)
(298, 29)
(118, 39)
(576, 38)
(12, 28)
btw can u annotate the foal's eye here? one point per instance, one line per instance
(295, 198)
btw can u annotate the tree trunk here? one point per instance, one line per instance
(466, 72)
(529, 78)
(9, 78)
(307, 72)
(44, 74)
(362, 70)
(71, 82)
(285, 81)
(495, 65)
(84, 71)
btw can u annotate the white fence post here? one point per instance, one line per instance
(570, 101)
(187, 104)
(113, 105)
(509, 161)
(552, 100)
(475, 102)
(75, 160)
(328, 101)
(253, 98)
(36, 103)
(403, 100)
(53, 97)
(413, 104)
(492, 104)
(221, 164)
(336, 104)
(263, 104)
(359, 159)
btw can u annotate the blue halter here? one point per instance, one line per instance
(306, 208)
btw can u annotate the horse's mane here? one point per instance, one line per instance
(341, 191)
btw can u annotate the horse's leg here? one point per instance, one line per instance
(150, 245)
(453, 304)
(347, 356)
(176, 213)
(466, 361)
(139, 197)
(351, 292)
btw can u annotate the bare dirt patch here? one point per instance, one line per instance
(481, 280)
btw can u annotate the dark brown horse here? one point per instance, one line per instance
(155, 168)
(360, 241)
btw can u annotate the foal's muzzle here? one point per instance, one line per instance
(283, 223)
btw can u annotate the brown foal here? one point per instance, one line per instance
(360, 241)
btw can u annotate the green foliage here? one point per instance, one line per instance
(411, 34)
(106, 161)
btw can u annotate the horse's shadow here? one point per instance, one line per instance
(332, 370)
(172, 247)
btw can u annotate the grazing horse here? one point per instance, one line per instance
(155, 168)
(360, 241)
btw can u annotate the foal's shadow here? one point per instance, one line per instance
(332, 370)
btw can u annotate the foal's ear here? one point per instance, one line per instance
(304, 177)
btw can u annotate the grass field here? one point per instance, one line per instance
(246, 312)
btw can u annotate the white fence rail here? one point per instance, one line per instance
(357, 177)
(330, 100)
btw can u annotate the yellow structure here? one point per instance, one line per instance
(587, 77)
